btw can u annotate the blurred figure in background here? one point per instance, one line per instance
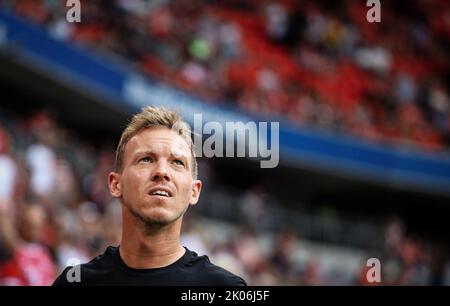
(27, 261)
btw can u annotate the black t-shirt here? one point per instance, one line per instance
(109, 269)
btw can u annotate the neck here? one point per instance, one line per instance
(146, 246)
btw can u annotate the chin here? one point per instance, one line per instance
(159, 216)
(155, 213)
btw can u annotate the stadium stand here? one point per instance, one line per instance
(307, 61)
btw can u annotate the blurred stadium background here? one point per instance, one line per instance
(364, 140)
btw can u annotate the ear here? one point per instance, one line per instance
(114, 185)
(196, 189)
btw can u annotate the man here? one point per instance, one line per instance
(155, 180)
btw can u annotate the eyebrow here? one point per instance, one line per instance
(151, 152)
(144, 152)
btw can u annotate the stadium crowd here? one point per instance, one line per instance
(314, 63)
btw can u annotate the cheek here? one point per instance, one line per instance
(132, 183)
(184, 186)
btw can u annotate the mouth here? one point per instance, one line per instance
(161, 192)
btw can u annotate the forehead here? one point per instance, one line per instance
(158, 140)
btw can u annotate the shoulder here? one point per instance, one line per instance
(211, 274)
(82, 273)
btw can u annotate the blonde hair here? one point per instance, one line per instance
(156, 117)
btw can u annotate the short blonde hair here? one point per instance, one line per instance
(156, 117)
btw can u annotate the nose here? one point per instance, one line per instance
(160, 172)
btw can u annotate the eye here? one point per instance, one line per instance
(145, 160)
(178, 162)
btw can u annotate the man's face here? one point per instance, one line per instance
(156, 183)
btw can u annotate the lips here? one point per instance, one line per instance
(160, 191)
